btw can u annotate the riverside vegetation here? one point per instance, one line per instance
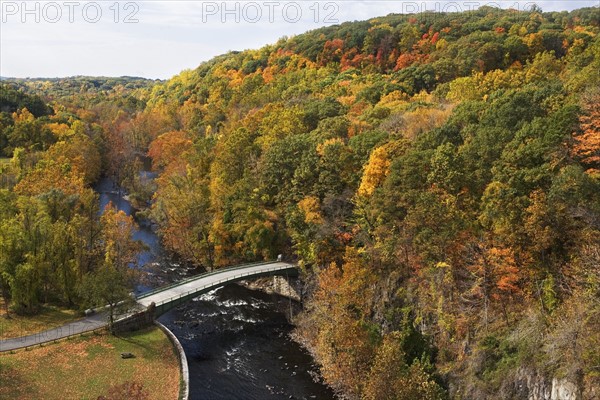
(437, 177)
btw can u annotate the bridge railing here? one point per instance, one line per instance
(81, 334)
(220, 282)
(200, 276)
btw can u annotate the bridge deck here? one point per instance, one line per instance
(165, 298)
(212, 280)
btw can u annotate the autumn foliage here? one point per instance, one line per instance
(435, 176)
(586, 145)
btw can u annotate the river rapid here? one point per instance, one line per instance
(237, 340)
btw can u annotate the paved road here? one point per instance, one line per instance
(73, 328)
(187, 287)
(211, 281)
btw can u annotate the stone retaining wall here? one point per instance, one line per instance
(184, 390)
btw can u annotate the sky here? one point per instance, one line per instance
(158, 38)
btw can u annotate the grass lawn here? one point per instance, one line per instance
(22, 325)
(85, 368)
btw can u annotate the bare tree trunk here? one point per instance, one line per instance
(111, 317)
(505, 312)
(6, 298)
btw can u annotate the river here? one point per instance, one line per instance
(236, 340)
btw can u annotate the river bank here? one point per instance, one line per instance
(237, 341)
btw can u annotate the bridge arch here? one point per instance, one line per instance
(173, 295)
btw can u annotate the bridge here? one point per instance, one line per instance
(164, 299)
(168, 297)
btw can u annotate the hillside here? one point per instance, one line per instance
(437, 177)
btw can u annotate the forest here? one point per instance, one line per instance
(436, 177)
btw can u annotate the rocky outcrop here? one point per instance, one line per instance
(562, 389)
(532, 385)
(287, 287)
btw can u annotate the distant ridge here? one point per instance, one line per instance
(75, 77)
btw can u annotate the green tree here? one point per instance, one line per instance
(390, 377)
(107, 287)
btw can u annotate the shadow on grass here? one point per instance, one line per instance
(137, 338)
(19, 388)
(48, 317)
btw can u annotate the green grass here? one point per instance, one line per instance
(22, 325)
(4, 160)
(85, 368)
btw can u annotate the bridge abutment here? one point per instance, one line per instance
(139, 320)
(290, 287)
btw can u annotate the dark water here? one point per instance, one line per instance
(111, 193)
(236, 340)
(238, 347)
